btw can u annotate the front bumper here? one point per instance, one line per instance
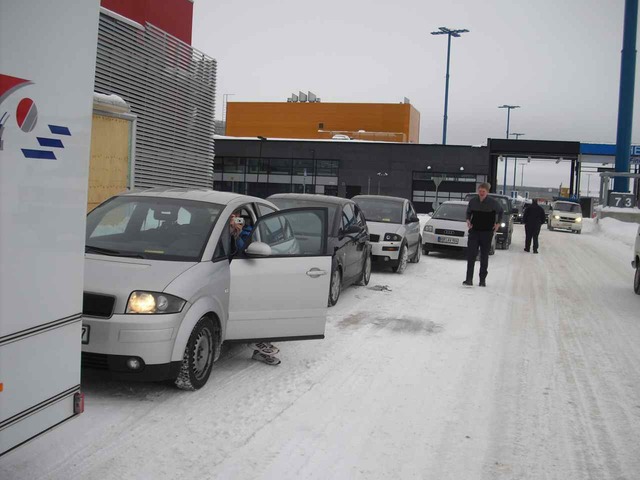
(148, 337)
(116, 365)
(566, 225)
(388, 250)
(435, 241)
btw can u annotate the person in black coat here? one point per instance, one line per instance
(533, 219)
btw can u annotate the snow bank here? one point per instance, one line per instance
(623, 232)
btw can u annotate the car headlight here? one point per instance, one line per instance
(152, 302)
(428, 228)
(503, 225)
(392, 237)
(557, 217)
(579, 219)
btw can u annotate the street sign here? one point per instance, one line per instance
(622, 200)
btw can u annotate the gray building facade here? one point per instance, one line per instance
(423, 173)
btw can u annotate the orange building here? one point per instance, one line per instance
(390, 122)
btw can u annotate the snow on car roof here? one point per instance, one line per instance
(197, 194)
(455, 202)
(379, 197)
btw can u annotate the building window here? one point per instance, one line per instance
(300, 167)
(280, 166)
(327, 168)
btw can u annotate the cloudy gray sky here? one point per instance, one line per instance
(559, 60)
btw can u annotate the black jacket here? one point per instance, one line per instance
(534, 216)
(483, 215)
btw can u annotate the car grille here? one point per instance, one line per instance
(451, 233)
(374, 238)
(567, 219)
(94, 305)
(94, 360)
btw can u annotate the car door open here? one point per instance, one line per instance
(280, 284)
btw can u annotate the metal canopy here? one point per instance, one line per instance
(540, 149)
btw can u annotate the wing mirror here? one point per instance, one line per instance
(351, 230)
(413, 219)
(258, 249)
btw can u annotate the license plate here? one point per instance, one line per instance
(85, 334)
(447, 240)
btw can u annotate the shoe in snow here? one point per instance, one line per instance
(483, 283)
(268, 359)
(266, 348)
(467, 283)
(528, 250)
(535, 251)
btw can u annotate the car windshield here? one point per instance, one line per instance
(287, 203)
(453, 212)
(504, 203)
(567, 207)
(380, 210)
(151, 227)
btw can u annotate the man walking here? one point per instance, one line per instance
(533, 219)
(484, 215)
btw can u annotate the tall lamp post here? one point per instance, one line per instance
(262, 140)
(449, 33)
(515, 160)
(380, 175)
(506, 160)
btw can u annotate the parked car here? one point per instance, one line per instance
(566, 216)
(636, 264)
(348, 237)
(446, 230)
(163, 288)
(394, 230)
(505, 231)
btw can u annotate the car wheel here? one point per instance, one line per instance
(336, 286)
(366, 271)
(198, 357)
(636, 281)
(403, 259)
(418, 254)
(425, 250)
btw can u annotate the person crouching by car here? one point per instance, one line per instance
(533, 219)
(484, 215)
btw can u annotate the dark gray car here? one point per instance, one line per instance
(348, 241)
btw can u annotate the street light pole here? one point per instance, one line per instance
(262, 140)
(450, 33)
(506, 160)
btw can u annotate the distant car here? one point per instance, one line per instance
(348, 238)
(165, 284)
(565, 216)
(447, 230)
(505, 231)
(636, 264)
(394, 230)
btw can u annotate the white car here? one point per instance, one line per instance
(446, 230)
(636, 264)
(565, 215)
(165, 284)
(394, 230)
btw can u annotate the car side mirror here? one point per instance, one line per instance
(351, 230)
(258, 249)
(413, 219)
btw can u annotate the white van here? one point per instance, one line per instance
(565, 215)
(165, 283)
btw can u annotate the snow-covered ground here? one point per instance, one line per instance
(536, 376)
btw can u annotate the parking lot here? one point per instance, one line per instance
(535, 376)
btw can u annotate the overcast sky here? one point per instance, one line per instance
(558, 60)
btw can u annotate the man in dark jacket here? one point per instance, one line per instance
(533, 219)
(484, 215)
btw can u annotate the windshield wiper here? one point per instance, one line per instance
(108, 251)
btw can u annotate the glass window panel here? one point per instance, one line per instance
(300, 165)
(280, 166)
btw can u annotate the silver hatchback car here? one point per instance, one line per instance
(166, 283)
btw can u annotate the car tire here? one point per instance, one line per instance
(336, 286)
(425, 250)
(636, 281)
(403, 259)
(418, 254)
(199, 355)
(366, 272)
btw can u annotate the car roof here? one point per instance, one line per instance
(196, 194)
(378, 197)
(313, 197)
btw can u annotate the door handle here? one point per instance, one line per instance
(316, 272)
